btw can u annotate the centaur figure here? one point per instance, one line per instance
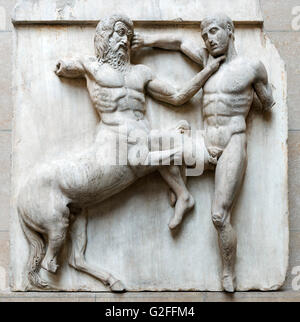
(57, 193)
(227, 98)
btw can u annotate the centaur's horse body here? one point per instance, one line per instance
(58, 192)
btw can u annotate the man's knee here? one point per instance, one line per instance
(218, 219)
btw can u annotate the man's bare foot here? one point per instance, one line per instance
(228, 283)
(183, 206)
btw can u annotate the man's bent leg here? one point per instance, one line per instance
(172, 195)
(229, 176)
(185, 201)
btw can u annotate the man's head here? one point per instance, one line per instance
(217, 33)
(113, 38)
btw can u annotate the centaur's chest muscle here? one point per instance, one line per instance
(111, 89)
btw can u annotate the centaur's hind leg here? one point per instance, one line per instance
(78, 235)
(57, 231)
(51, 228)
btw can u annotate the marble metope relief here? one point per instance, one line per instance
(166, 191)
(117, 89)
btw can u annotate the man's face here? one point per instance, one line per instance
(120, 40)
(216, 39)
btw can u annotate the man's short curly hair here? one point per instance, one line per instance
(104, 30)
(221, 20)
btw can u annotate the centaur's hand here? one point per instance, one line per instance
(59, 68)
(216, 63)
(183, 127)
(137, 42)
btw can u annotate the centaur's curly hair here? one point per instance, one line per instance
(104, 30)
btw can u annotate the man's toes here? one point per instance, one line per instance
(174, 223)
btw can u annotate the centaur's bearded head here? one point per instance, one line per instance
(113, 41)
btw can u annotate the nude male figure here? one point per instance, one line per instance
(56, 193)
(227, 99)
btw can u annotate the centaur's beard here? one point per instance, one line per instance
(117, 58)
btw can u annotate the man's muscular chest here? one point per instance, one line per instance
(235, 77)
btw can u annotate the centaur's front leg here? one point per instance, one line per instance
(78, 234)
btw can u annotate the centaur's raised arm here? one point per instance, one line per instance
(70, 68)
(164, 92)
(190, 48)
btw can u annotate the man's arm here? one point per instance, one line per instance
(263, 88)
(166, 93)
(189, 48)
(70, 68)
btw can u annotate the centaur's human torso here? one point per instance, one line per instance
(118, 96)
(119, 99)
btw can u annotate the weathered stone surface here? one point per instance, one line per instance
(278, 14)
(294, 260)
(288, 46)
(6, 9)
(294, 203)
(6, 80)
(253, 297)
(158, 10)
(6, 297)
(150, 257)
(4, 261)
(152, 297)
(5, 161)
(294, 179)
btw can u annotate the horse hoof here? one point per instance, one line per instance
(50, 266)
(118, 287)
